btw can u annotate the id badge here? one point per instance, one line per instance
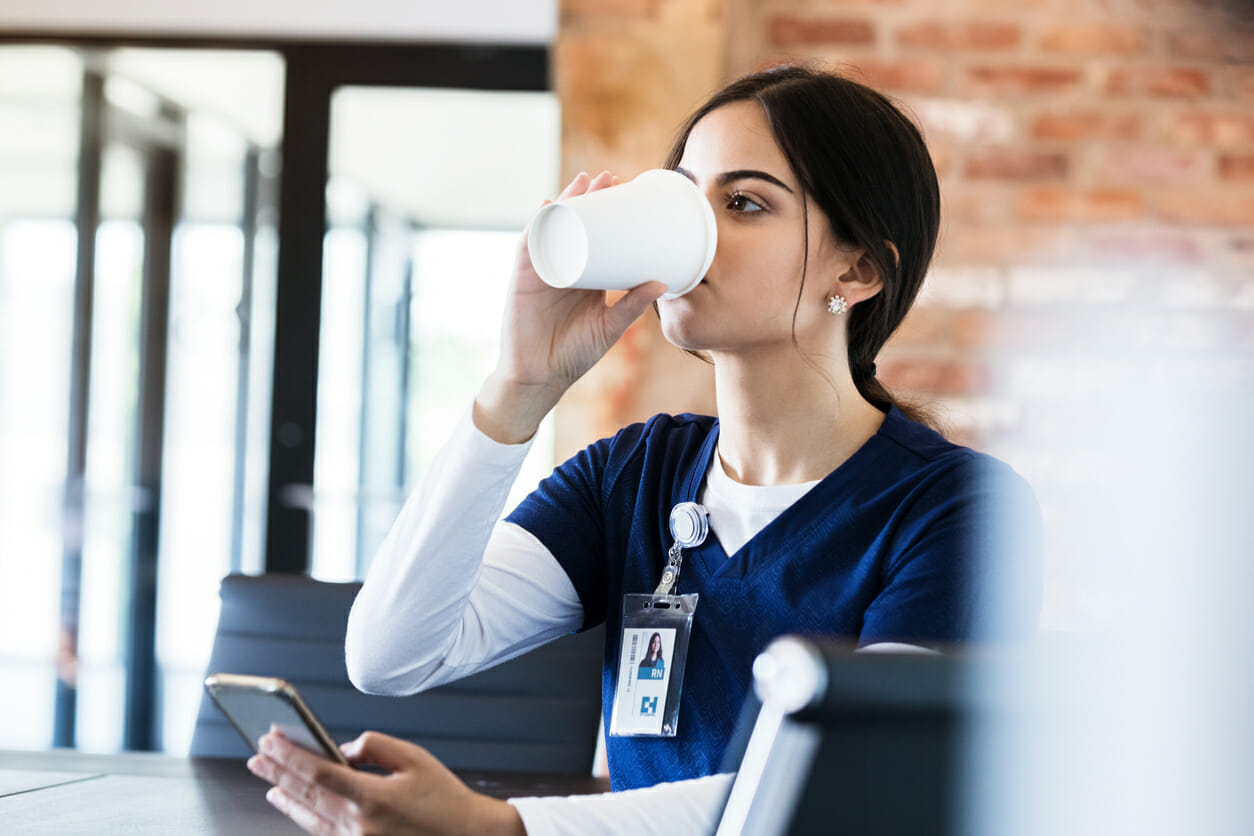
(651, 658)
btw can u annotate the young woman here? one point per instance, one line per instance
(831, 511)
(654, 656)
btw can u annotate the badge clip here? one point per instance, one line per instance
(690, 524)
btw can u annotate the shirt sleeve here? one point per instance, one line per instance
(451, 590)
(966, 565)
(692, 806)
(566, 513)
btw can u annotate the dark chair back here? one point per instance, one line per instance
(874, 744)
(537, 713)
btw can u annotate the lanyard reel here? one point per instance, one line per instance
(690, 523)
(655, 634)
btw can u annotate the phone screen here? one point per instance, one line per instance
(254, 709)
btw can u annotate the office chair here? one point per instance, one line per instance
(537, 713)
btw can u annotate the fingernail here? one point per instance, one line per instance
(266, 744)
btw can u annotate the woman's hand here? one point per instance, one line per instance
(550, 338)
(420, 796)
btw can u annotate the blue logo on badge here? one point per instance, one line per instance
(648, 706)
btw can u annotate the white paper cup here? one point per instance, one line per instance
(658, 227)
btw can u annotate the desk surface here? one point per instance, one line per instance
(67, 792)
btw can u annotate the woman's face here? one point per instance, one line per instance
(747, 298)
(655, 645)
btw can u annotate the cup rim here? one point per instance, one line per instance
(539, 256)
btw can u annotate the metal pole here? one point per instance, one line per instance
(86, 221)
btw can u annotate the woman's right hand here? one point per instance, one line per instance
(550, 338)
(417, 797)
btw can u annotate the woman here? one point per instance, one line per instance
(831, 510)
(653, 658)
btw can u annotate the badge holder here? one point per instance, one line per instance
(654, 647)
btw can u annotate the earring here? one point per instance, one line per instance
(837, 304)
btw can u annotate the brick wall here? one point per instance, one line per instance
(1097, 177)
(1092, 155)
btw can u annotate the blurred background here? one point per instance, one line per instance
(251, 258)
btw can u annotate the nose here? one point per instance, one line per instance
(721, 226)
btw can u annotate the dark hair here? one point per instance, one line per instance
(866, 166)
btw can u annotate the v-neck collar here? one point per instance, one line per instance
(794, 524)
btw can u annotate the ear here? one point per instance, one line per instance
(861, 281)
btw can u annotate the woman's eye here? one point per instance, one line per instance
(742, 203)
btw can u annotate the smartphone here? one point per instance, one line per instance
(255, 703)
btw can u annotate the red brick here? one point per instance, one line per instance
(793, 30)
(1213, 129)
(1010, 80)
(942, 157)
(976, 202)
(1208, 207)
(1140, 247)
(973, 328)
(938, 377)
(1086, 125)
(1236, 166)
(578, 10)
(1210, 44)
(1241, 81)
(1148, 7)
(1017, 165)
(1159, 82)
(1001, 244)
(924, 327)
(960, 36)
(999, 6)
(1092, 38)
(1060, 203)
(1153, 165)
(912, 76)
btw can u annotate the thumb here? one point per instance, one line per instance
(628, 309)
(391, 753)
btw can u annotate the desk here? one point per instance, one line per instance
(65, 792)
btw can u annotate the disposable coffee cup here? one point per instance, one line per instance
(658, 227)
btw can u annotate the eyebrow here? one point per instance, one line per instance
(728, 177)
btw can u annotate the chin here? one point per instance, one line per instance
(679, 329)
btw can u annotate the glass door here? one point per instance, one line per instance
(117, 417)
(137, 253)
(40, 91)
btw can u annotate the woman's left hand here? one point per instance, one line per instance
(419, 796)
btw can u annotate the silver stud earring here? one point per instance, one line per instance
(837, 304)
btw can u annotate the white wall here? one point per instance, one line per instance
(505, 21)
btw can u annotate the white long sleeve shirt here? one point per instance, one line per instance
(479, 592)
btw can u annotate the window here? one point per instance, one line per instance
(150, 287)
